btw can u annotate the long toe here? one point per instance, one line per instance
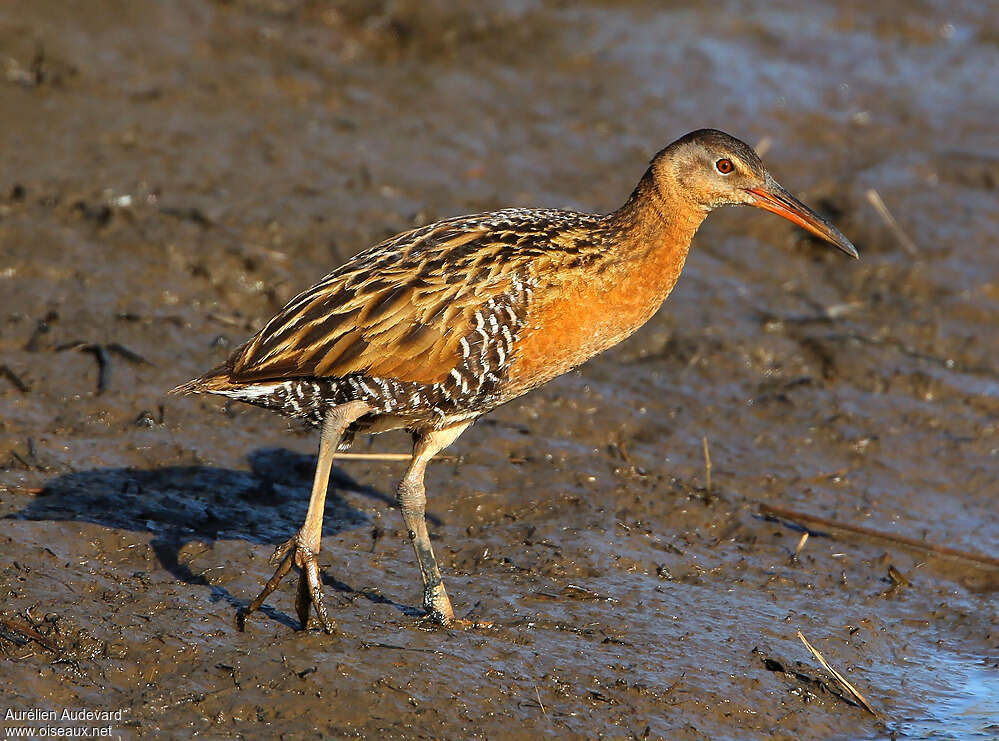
(282, 570)
(282, 550)
(466, 624)
(310, 593)
(294, 552)
(436, 619)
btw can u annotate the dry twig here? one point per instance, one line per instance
(707, 465)
(15, 379)
(540, 704)
(874, 198)
(373, 456)
(854, 693)
(787, 514)
(387, 457)
(26, 632)
(801, 545)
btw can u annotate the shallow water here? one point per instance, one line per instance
(968, 704)
(174, 173)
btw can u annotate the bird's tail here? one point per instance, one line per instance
(215, 381)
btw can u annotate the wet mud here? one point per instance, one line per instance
(172, 173)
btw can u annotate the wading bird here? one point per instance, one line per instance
(434, 327)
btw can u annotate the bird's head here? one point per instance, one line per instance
(709, 169)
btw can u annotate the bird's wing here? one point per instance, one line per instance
(399, 310)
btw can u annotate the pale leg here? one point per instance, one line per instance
(301, 549)
(412, 499)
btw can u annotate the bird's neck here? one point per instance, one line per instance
(653, 230)
(630, 265)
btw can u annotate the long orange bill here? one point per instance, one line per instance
(777, 200)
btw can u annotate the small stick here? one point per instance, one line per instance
(103, 367)
(226, 319)
(763, 145)
(41, 328)
(129, 355)
(103, 361)
(898, 579)
(387, 457)
(34, 490)
(839, 677)
(541, 704)
(374, 456)
(801, 545)
(15, 379)
(874, 198)
(29, 632)
(707, 464)
(366, 644)
(942, 550)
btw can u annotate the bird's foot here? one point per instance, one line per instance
(295, 552)
(441, 614)
(435, 619)
(466, 624)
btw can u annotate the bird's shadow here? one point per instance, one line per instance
(181, 504)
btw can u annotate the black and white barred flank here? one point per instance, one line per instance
(470, 388)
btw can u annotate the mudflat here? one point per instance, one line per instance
(173, 173)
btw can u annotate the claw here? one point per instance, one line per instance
(282, 550)
(294, 552)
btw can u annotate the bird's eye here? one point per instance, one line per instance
(724, 166)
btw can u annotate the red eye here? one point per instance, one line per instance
(724, 166)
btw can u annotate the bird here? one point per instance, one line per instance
(436, 326)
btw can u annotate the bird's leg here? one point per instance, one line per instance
(412, 499)
(303, 547)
